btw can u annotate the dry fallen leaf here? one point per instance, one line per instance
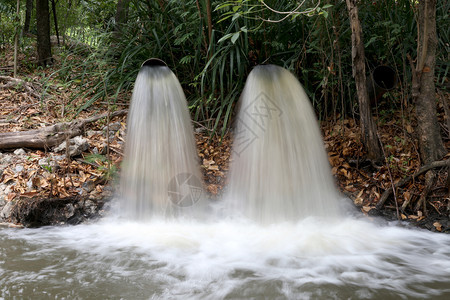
(407, 196)
(29, 194)
(350, 188)
(366, 209)
(10, 196)
(36, 182)
(377, 195)
(213, 189)
(359, 200)
(334, 170)
(207, 162)
(438, 226)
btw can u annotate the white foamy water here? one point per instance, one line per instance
(280, 177)
(311, 259)
(160, 155)
(280, 170)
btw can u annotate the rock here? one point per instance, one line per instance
(18, 168)
(113, 127)
(38, 212)
(58, 157)
(104, 149)
(88, 186)
(77, 145)
(7, 210)
(20, 152)
(93, 132)
(43, 162)
(50, 163)
(5, 189)
(109, 188)
(6, 160)
(30, 184)
(90, 207)
(69, 210)
(61, 147)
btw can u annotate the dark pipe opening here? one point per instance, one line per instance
(385, 77)
(382, 79)
(154, 62)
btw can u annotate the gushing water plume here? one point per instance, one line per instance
(160, 174)
(280, 170)
(279, 173)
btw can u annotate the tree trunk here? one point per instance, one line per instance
(16, 38)
(209, 16)
(55, 19)
(200, 15)
(423, 89)
(44, 47)
(121, 17)
(28, 11)
(368, 126)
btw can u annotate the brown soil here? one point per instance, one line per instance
(64, 186)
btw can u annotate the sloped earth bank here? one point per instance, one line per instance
(43, 187)
(31, 196)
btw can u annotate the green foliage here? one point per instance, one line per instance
(443, 51)
(108, 169)
(8, 22)
(313, 41)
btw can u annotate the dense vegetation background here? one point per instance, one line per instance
(98, 47)
(212, 45)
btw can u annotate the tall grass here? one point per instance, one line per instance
(212, 70)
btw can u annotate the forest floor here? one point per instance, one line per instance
(27, 174)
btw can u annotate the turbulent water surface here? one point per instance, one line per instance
(279, 233)
(230, 259)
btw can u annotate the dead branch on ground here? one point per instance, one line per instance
(15, 82)
(423, 169)
(46, 137)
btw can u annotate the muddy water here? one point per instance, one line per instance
(230, 259)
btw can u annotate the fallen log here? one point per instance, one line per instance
(50, 136)
(423, 169)
(15, 82)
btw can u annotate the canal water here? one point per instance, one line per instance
(280, 235)
(229, 259)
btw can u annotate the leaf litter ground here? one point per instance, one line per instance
(27, 176)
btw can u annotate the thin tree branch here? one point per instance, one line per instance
(423, 169)
(11, 81)
(393, 188)
(290, 13)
